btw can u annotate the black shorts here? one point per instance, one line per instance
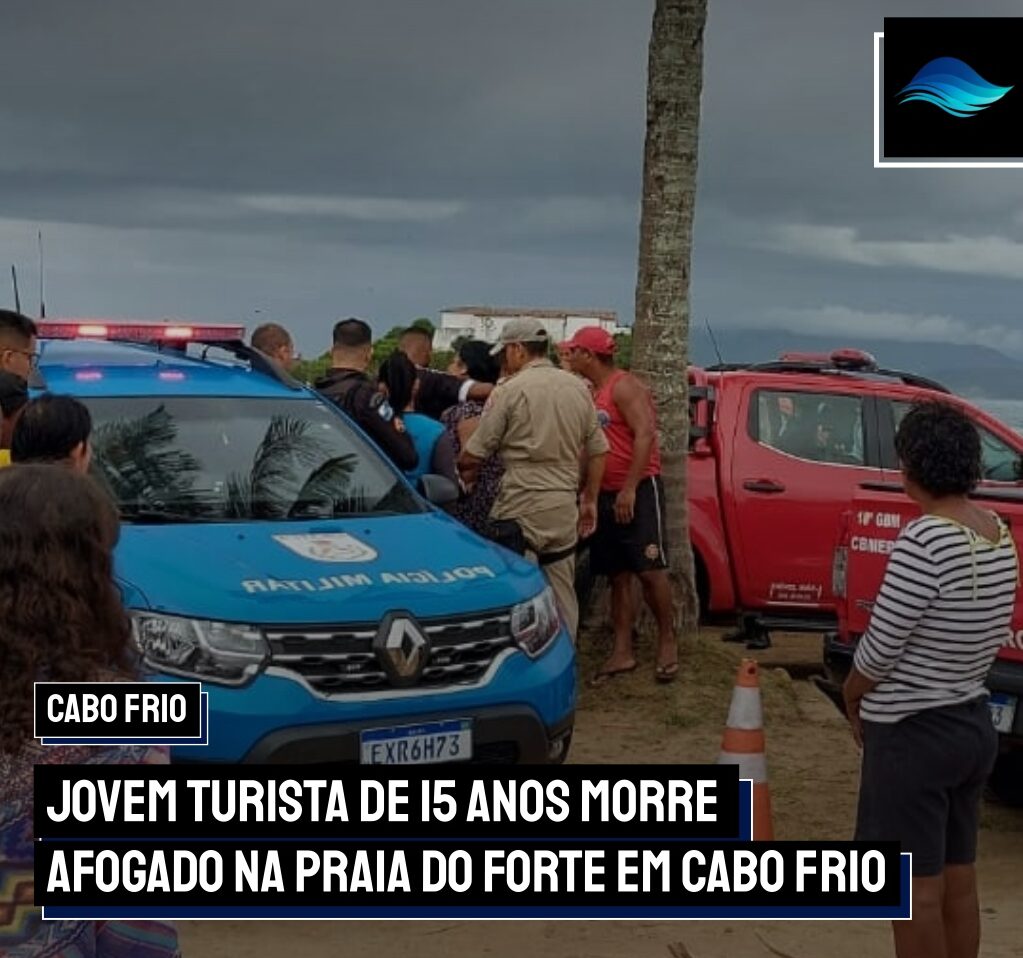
(922, 780)
(638, 546)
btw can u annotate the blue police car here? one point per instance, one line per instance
(268, 549)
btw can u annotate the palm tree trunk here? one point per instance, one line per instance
(661, 332)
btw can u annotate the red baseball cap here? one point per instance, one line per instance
(593, 339)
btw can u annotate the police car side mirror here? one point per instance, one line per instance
(439, 490)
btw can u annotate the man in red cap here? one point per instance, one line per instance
(630, 536)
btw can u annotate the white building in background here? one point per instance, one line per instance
(485, 322)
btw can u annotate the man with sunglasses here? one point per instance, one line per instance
(17, 360)
(17, 344)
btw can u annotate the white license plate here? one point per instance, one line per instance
(424, 744)
(1003, 711)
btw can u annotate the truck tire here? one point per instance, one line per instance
(1007, 778)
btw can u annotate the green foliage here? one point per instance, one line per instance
(309, 370)
(386, 344)
(623, 352)
(442, 359)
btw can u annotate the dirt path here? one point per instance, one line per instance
(813, 767)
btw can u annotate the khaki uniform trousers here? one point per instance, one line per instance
(552, 530)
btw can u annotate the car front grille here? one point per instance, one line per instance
(340, 660)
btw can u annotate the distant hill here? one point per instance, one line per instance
(970, 370)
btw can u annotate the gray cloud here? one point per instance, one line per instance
(219, 157)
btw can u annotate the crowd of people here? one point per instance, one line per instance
(62, 621)
(543, 456)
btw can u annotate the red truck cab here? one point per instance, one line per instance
(867, 534)
(777, 452)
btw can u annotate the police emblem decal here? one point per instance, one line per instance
(328, 547)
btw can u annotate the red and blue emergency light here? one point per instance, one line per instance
(135, 331)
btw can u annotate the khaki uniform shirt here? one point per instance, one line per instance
(538, 421)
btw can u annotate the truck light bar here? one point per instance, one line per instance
(853, 359)
(139, 331)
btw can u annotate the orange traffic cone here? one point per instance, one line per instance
(743, 745)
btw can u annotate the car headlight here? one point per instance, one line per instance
(535, 623)
(221, 652)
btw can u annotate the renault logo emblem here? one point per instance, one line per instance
(402, 648)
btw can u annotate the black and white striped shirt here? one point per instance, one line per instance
(943, 611)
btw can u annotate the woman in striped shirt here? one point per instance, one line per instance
(916, 697)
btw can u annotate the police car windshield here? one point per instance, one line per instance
(209, 459)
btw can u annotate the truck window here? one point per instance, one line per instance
(820, 427)
(999, 461)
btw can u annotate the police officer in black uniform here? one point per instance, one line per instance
(347, 385)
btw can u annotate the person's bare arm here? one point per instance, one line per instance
(856, 686)
(465, 430)
(588, 499)
(479, 391)
(485, 439)
(633, 402)
(594, 451)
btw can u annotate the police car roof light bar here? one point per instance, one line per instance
(227, 337)
(139, 332)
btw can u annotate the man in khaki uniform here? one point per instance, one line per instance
(540, 420)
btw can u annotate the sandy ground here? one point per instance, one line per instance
(813, 769)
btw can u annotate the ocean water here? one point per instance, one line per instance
(1009, 411)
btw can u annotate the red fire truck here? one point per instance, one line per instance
(778, 450)
(867, 534)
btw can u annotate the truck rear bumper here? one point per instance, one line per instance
(1006, 678)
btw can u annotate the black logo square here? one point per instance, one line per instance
(952, 88)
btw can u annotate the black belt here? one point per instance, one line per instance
(549, 558)
(508, 533)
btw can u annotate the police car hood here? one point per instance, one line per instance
(327, 571)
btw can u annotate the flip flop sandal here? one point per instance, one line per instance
(666, 673)
(606, 675)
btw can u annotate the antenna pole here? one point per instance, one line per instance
(42, 301)
(714, 343)
(17, 297)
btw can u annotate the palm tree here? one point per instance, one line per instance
(661, 333)
(141, 465)
(274, 488)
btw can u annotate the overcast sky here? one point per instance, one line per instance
(302, 160)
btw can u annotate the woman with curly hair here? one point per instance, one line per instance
(916, 697)
(61, 620)
(474, 362)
